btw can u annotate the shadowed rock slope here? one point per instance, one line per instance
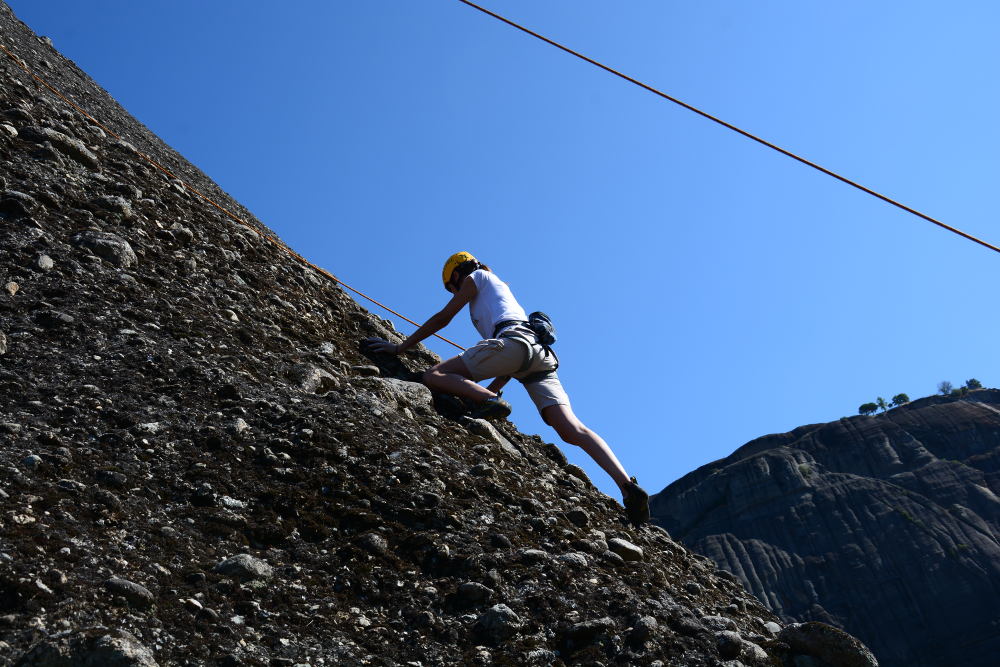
(200, 468)
(884, 526)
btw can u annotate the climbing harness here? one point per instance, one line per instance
(535, 332)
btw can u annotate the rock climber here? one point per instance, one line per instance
(510, 348)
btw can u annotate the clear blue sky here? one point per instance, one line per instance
(707, 290)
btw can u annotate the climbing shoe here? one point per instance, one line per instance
(491, 408)
(636, 502)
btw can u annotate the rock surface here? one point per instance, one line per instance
(885, 526)
(197, 453)
(91, 648)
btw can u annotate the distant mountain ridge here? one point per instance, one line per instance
(885, 526)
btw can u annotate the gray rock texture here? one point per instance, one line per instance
(107, 246)
(97, 647)
(885, 526)
(244, 566)
(137, 595)
(827, 644)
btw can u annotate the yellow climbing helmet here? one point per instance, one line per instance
(453, 263)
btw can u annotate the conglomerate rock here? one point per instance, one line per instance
(885, 526)
(200, 467)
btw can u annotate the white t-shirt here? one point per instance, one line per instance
(493, 303)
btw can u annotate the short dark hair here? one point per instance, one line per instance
(467, 267)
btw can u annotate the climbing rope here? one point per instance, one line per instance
(733, 127)
(284, 248)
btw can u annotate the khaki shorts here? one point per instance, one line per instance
(498, 357)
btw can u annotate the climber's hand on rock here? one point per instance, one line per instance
(381, 345)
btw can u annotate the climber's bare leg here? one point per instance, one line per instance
(453, 377)
(574, 432)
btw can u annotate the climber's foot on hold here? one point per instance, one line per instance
(491, 408)
(636, 502)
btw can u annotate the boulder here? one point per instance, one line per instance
(72, 148)
(136, 594)
(313, 379)
(107, 246)
(625, 549)
(16, 204)
(497, 624)
(828, 644)
(244, 567)
(89, 648)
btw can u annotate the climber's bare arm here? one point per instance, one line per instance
(434, 323)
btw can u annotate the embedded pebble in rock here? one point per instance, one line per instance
(482, 470)
(366, 371)
(579, 517)
(374, 543)
(14, 203)
(587, 631)
(827, 643)
(31, 461)
(500, 541)
(474, 592)
(11, 288)
(540, 657)
(68, 146)
(244, 566)
(54, 318)
(115, 204)
(313, 379)
(109, 247)
(239, 426)
(532, 506)
(182, 235)
(44, 262)
(486, 429)
(530, 556)
(136, 594)
(573, 560)
(498, 623)
(3, 344)
(644, 630)
(730, 644)
(89, 648)
(402, 394)
(18, 115)
(625, 549)
(719, 623)
(755, 654)
(111, 478)
(612, 558)
(151, 428)
(577, 473)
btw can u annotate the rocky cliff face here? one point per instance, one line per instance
(885, 526)
(199, 467)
